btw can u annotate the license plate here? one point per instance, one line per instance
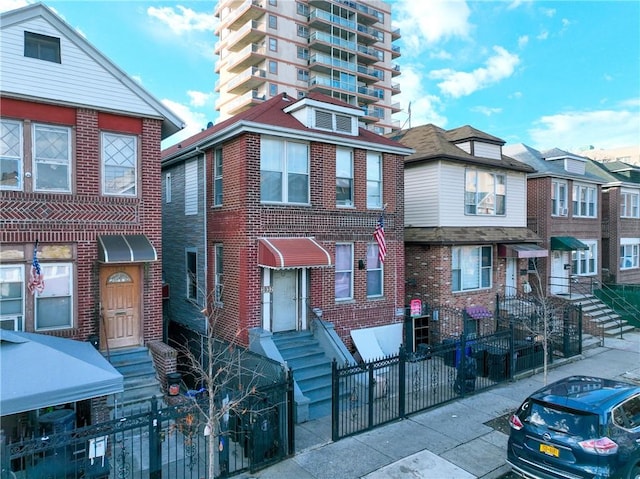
(549, 450)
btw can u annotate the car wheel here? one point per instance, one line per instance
(634, 471)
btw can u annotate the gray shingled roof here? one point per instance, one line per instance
(432, 143)
(554, 168)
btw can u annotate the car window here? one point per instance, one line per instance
(627, 415)
(555, 418)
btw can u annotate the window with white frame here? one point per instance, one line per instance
(584, 201)
(167, 188)
(484, 193)
(53, 307)
(630, 204)
(471, 267)
(302, 9)
(585, 262)
(191, 258)
(217, 177)
(344, 177)
(52, 158)
(12, 301)
(303, 31)
(559, 204)
(344, 271)
(11, 151)
(630, 254)
(119, 164)
(375, 277)
(374, 180)
(303, 53)
(303, 75)
(284, 171)
(219, 272)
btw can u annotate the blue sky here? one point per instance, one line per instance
(545, 73)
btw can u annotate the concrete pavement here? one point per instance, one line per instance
(449, 442)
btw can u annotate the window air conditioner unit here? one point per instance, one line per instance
(11, 323)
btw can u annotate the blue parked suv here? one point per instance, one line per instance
(579, 427)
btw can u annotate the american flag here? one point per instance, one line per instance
(36, 281)
(378, 235)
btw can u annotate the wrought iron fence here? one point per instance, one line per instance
(161, 443)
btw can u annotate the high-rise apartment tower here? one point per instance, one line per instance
(343, 48)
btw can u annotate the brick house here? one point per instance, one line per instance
(620, 220)
(466, 237)
(269, 216)
(564, 208)
(80, 178)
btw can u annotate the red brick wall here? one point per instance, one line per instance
(77, 219)
(243, 219)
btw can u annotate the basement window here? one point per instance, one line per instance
(42, 47)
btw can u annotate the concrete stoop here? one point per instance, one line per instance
(140, 381)
(601, 315)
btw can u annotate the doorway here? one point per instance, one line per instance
(559, 280)
(285, 300)
(120, 306)
(511, 279)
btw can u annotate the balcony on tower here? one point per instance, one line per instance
(251, 55)
(250, 79)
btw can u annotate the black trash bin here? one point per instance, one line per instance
(173, 383)
(498, 363)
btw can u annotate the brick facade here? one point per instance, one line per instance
(72, 222)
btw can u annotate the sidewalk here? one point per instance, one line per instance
(449, 442)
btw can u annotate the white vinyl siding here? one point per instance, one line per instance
(83, 77)
(191, 187)
(481, 150)
(428, 204)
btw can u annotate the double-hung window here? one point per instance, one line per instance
(374, 272)
(344, 177)
(284, 171)
(119, 164)
(630, 204)
(471, 267)
(484, 193)
(559, 198)
(374, 180)
(217, 177)
(344, 271)
(584, 201)
(219, 273)
(12, 287)
(630, 254)
(54, 305)
(585, 262)
(11, 155)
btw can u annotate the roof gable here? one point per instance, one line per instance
(271, 117)
(432, 143)
(90, 78)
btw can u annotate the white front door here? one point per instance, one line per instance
(511, 281)
(284, 306)
(559, 280)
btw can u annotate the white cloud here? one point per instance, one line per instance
(440, 55)
(200, 99)
(424, 107)
(194, 122)
(184, 20)
(424, 23)
(7, 5)
(485, 110)
(602, 128)
(457, 84)
(523, 40)
(543, 35)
